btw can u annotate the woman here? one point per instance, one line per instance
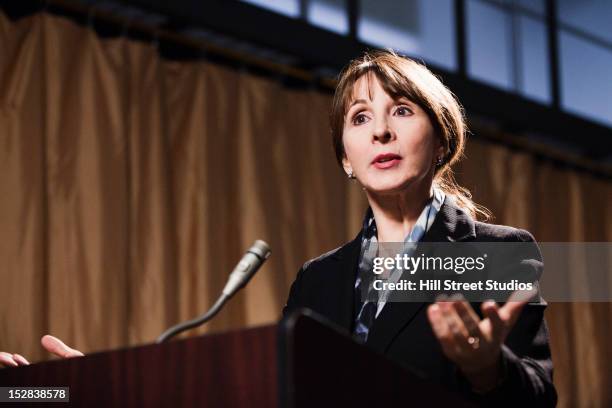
(398, 130)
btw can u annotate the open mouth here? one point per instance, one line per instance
(385, 161)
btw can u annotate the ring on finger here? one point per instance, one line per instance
(474, 342)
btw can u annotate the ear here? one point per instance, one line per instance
(346, 164)
(439, 150)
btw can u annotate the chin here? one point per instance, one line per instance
(388, 187)
(391, 184)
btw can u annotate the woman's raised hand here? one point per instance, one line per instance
(472, 343)
(50, 343)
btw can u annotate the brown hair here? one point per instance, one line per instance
(402, 77)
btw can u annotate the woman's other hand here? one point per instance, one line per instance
(50, 343)
(12, 360)
(58, 347)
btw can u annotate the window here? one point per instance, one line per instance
(507, 47)
(535, 6)
(328, 14)
(533, 78)
(289, 8)
(507, 44)
(585, 54)
(586, 78)
(420, 28)
(489, 37)
(593, 17)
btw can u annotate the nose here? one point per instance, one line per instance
(382, 133)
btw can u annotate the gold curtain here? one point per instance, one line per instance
(131, 185)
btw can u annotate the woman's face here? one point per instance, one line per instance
(390, 145)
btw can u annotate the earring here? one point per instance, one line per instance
(350, 175)
(439, 161)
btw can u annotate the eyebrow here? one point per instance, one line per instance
(357, 101)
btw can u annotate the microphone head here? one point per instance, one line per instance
(255, 256)
(261, 249)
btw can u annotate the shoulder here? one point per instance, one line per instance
(331, 257)
(502, 233)
(518, 244)
(321, 277)
(456, 223)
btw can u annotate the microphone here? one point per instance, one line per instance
(255, 256)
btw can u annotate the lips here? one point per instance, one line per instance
(386, 160)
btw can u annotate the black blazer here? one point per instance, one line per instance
(402, 331)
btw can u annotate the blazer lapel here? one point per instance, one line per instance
(451, 224)
(342, 288)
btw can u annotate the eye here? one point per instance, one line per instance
(403, 111)
(359, 119)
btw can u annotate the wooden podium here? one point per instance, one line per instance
(301, 362)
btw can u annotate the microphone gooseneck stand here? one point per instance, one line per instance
(240, 276)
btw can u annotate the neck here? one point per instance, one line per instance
(396, 214)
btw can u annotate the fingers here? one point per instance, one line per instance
(523, 295)
(438, 324)
(52, 344)
(12, 360)
(57, 347)
(490, 310)
(441, 329)
(469, 317)
(513, 307)
(450, 329)
(465, 331)
(7, 360)
(21, 360)
(510, 312)
(454, 322)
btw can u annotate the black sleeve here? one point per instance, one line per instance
(526, 364)
(527, 367)
(294, 301)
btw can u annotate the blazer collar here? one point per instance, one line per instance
(451, 224)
